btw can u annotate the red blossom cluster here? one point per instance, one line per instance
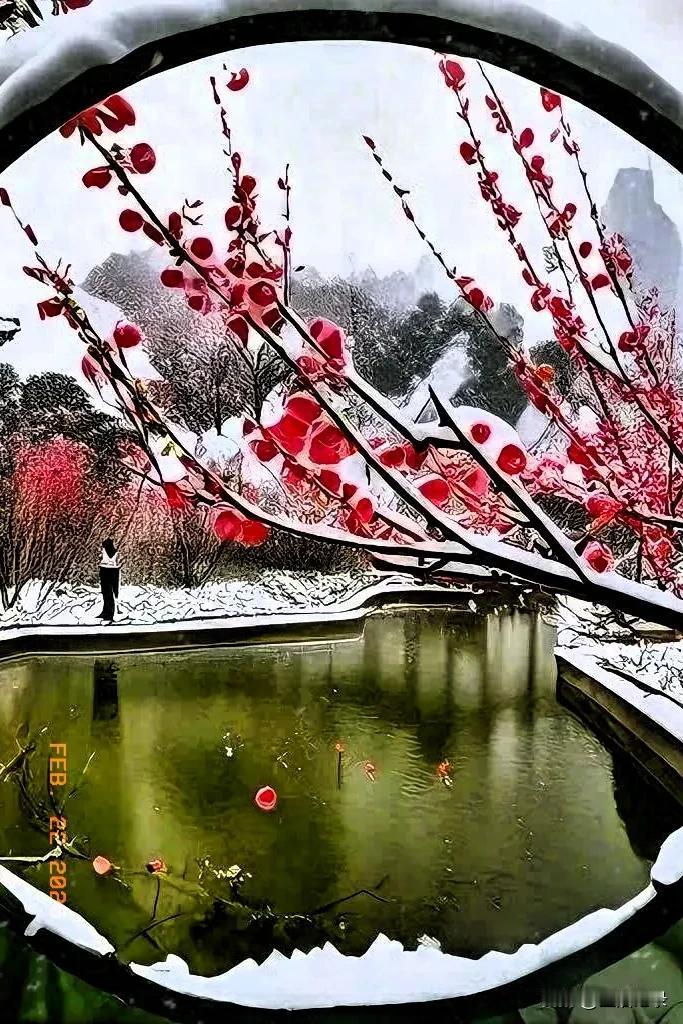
(616, 444)
(624, 462)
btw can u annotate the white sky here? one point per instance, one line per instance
(309, 104)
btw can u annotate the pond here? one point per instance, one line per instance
(426, 761)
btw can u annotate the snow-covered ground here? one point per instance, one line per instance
(270, 592)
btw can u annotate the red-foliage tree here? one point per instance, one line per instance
(457, 500)
(53, 511)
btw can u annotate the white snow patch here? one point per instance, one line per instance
(385, 974)
(54, 917)
(531, 425)
(448, 372)
(274, 597)
(668, 868)
(597, 648)
(665, 712)
(218, 447)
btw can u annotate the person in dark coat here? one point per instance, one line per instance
(109, 579)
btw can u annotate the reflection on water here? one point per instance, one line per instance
(525, 838)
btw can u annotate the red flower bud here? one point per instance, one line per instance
(233, 216)
(239, 327)
(227, 525)
(201, 248)
(329, 337)
(131, 220)
(155, 866)
(127, 335)
(264, 450)
(175, 497)
(550, 100)
(102, 866)
(628, 341)
(303, 408)
(468, 153)
(435, 489)
(262, 293)
(511, 459)
(392, 457)
(98, 177)
(253, 533)
(602, 505)
(172, 278)
(480, 432)
(598, 556)
(526, 139)
(238, 80)
(143, 158)
(453, 74)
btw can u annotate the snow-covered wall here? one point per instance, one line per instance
(603, 39)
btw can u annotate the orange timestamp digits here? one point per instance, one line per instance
(57, 774)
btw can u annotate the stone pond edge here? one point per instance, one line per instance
(386, 974)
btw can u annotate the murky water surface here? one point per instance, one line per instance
(427, 762)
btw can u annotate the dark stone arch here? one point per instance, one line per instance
(640, 103)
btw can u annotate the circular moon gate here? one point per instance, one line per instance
(648, 113)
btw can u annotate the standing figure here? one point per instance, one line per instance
(109, 579)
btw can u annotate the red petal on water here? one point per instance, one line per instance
(102, 866)
(266, 798)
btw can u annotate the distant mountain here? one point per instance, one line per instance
(651, 235)
(401, 290)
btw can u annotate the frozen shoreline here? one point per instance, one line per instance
(270, 592)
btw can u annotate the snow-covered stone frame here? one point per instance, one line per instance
(386, 975)
(100, 48)
(55, 70)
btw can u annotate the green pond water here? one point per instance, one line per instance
(532, 823)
